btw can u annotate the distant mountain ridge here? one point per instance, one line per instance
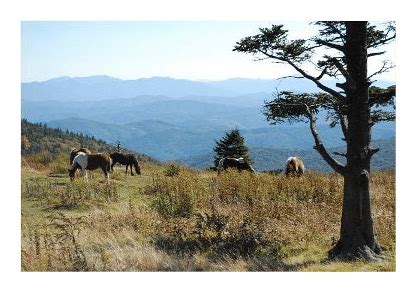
(95, 88)
(176, 119)
(168, 141)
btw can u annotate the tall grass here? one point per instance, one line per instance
(182, 219)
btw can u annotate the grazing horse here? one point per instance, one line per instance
(294, 166)
(90, 162)
(127, 160)
(238, 163)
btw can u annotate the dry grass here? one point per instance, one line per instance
(178, 219)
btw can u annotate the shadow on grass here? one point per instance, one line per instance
(258, 256)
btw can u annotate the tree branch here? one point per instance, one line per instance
(384, 68)
(334, 93)
(344, 123)
(331, 45)
(375, 54)
(350, 82)
(338, 167)
(340, 154)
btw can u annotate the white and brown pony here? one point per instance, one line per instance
(294, 166)
(75, 152)
(90, 162)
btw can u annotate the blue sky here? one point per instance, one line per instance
(196, 50)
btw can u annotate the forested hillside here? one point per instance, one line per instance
(38, 138)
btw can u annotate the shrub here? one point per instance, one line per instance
(172, 170)
(60, 164)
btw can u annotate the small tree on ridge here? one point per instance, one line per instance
(231, 145)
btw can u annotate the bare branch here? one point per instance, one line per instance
(338, 167)
(322, 74)
(334, 93)
(289, 76)
(340, 154)
(382, 41)
(331, 45)
(375, 54)
(350, 82)
(344, 123)
(384, 68)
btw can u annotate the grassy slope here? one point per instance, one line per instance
(194, 221)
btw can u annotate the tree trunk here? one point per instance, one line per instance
(357, 240)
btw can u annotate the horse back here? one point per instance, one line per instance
(98, 160)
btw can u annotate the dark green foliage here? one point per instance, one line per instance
(231, 145)
(273, 43)
(49, 143)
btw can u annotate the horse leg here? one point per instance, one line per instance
(84, 174)
(131, 169)
(107, 175)
(127, 167)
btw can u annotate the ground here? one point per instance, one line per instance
(173, 218)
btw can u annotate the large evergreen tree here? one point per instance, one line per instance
(231, 145)
(343, 49)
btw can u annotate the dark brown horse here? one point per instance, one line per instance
(90, 162)
(127, 160)
(238, 163)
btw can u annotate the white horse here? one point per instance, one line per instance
(90, 162)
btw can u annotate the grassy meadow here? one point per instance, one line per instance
(173, 218)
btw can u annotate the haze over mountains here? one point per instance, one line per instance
(171, 119)
(104, 87)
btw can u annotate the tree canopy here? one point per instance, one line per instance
(231, 145)
(274, 44)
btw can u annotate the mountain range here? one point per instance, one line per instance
(171, 119)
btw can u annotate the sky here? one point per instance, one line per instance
(194, 50)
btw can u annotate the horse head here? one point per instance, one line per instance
(72, 172)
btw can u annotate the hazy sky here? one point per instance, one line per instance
(198, 50)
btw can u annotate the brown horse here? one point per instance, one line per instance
(90, 162)
(294, 166)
